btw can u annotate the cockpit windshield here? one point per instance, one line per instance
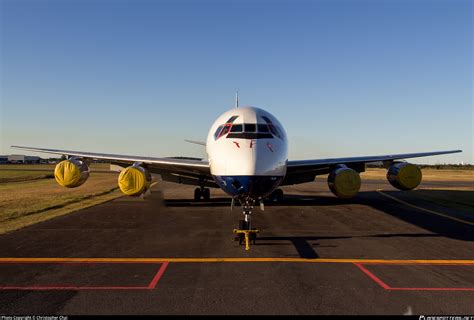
(236, 128)
(262, 127)
(250, 127)
(247, 130)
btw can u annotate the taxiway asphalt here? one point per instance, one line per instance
(369, 255)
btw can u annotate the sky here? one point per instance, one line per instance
(345, 78)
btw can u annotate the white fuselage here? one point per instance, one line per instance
(248, 152)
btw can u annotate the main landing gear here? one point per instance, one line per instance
(202, 193)
(245, 233)
(276, 196)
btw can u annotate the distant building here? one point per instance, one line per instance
(19, 158)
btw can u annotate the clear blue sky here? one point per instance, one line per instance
(137, 77)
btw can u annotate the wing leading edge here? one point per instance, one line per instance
(301, 171)
(186, 171)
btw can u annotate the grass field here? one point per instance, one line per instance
(26, 172)
(32, 195)
(428, 174)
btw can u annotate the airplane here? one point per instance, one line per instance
(247, 152)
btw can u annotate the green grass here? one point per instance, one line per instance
(25, 172)
(26, 202)
(428, 174)
(16, 176)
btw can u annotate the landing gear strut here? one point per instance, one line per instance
(245, 232)
(203, 193)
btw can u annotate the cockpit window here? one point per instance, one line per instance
(236, 128)
(266, 120)
(262, 127)
(216, 134)
(274, 130)
(251, 131)
(232, 119)
(249, 127)
(225, 130)
(247, 130)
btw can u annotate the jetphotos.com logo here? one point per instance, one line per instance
(446, 318)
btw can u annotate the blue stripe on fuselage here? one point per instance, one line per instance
(248, 186)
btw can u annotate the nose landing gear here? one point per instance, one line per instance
(245, 233)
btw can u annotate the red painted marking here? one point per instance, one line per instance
(158, 276)
(70, 288)
(417, 264)
(269, 145)
(387, 287)
(150, 286)
(434, 289)
(372, 276)
(236, 143)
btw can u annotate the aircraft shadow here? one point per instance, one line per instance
(289, 200)
(305, 247)
(449, 202)
(453, 203)
(213, 202)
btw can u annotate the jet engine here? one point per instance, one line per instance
(134, 180)
(71, 173)
(404, 175)
(344, 182)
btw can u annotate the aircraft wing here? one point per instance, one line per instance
(301, 171)
(179, 170)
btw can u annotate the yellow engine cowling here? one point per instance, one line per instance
(134, 180)
(344, 182)
(71, 173)
(404, 175)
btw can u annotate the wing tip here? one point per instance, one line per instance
(18, 147)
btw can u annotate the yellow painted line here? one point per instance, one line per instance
(425, 210)
(207, 260)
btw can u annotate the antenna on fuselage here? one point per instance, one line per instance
(237, 99)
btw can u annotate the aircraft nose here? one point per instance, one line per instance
(249, 186)
(267, 160)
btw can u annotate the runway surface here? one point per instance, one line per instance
(384, 252)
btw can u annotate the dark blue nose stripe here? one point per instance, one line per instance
(248, 186)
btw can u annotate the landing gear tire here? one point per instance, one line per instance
(206, 194)
(197, 194)
(277, 196)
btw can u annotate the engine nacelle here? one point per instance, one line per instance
(134, 180)
(344, 182)
(404, 175)
(71, 173)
